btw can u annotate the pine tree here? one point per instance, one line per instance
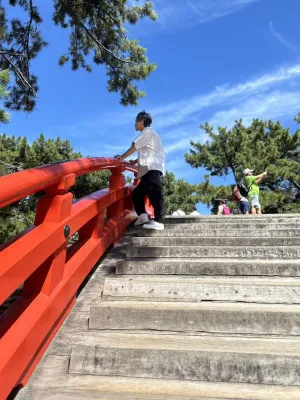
(179, 194)
(97, 32)
(4, 80)
(260, 146)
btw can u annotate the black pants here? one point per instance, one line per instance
(150, 185)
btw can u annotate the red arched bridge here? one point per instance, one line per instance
(41, 259)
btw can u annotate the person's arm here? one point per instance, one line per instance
(260, 177)
(127, 153)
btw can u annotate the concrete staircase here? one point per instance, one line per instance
(209, 308)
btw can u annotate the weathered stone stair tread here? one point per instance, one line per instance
(213, 343)
(172, 391)
(278, 219)
(211, 317)
(233, 225)
(229, 232)
(195, 288)
(90, 394)
(271, 252)
(55, 384)
(215, 241)
(200, 358)
(207, 266)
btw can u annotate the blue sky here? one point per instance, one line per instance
(218, 60)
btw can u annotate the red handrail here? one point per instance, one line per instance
(41, 259)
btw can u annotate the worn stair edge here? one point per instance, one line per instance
(204, 288)
(54, 380)
(215, 241)
(279, 218)
(205, 266)
(212, 317)
(233, 225)
(220, 232)
(270, 252)
(91, 394)
(213, 359)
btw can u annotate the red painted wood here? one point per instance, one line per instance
(39, 257)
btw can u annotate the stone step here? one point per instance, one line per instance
(222, 232)
(206, 266)
(215, 241)
(56, 384)
(205, 288)
(250, 225)
(275, 218)
(197, 358)
(212, 317)
(250, 252)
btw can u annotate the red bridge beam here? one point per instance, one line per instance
(41, 259)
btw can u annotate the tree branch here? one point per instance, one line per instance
(93, 37)
(18, 72)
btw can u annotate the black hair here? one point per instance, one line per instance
(144, 116)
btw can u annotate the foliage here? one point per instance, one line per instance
(4, 80)
(97, 34)
(262, 145)
(179, 194)
(16, 154)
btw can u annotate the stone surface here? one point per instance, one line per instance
(207, 266)
(196, 289)
(212, 317)
(262, 252)
(217, 317)
(216, 241)
(227, 231)
(212, 359)
(54, 383)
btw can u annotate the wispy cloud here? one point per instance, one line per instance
(175, 13)
(280, 38)
(273, 105)
(224, 96)
(271, 95)
(268, 96)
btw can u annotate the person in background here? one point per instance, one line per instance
(151, 167)
(223, 209)
(243, 205)
(253, 181)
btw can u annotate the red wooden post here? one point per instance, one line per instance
(54, 207)
(116, 182)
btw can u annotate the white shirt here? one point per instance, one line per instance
(151, 155)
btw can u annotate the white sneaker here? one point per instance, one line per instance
(142, 219)
(158, 226)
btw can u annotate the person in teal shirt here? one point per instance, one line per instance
(253, 196)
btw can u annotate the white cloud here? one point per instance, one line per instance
(177, 145)
(271, 106)
(175, 13)
(280, 38)
(224, 96)
(269, 96)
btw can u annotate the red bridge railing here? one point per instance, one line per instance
(41, 259)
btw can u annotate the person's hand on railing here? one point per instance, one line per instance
(118, 157)
(133, 162)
